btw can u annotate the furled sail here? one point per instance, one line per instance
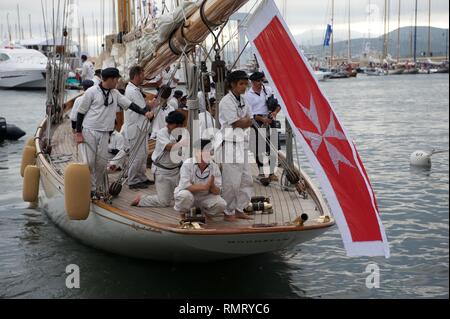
(161, 42)
(324, 139)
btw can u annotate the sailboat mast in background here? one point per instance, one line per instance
(332, 34)
(398, 29)
(430, 53)
(349, 33)
(415, 33)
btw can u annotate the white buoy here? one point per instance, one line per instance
(423, 158)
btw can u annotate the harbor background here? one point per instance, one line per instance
(388, 118)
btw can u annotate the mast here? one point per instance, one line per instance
(429, 28)
(349, 33)
(385, 39)
(398, 30)
(83, 34)
(29, 24)
(124, 14)
(332, 34)
(114, 21)
(415, 35)
(18, 22)
(9, 27)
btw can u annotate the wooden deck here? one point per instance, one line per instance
(287, 205)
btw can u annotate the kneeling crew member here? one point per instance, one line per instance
(200, 184)
(167, 171)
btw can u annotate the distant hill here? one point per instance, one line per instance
(438, 43)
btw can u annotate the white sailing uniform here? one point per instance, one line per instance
(166, 78)
(96, 80)
(173, 102)
(237, 179)
(117, 142)
(207, 125)
(88, 71)
(159, 122)
(133, 125)
(75, 107)
(98, 122)
(258, 105)
(190, 174)
(167, 173)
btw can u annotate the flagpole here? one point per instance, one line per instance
(415, 35)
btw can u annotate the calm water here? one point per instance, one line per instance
(389, 118)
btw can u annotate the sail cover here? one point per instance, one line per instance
(324, 139)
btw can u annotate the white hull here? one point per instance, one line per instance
(110, 232)
(34, 79)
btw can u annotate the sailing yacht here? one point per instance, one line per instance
(22, 68)
(285, 214)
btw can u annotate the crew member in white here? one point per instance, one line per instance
(235, 118)
(207, 121)
(87, 72)
(200, 184)
(166, 163)
(160, 120)
(134, 128)
(174, 102)
(97, 77)
(168, 77)
(257, 98)
(96, 118)
(87, 84)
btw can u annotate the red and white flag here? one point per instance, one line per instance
(325, 141)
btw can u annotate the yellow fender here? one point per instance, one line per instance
(28, 158)
(77, 191)
(30, 142)
(30, 190)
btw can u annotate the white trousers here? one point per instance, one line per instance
(210, 204)
(237, 186)
(165, 187)
(96, 155)
(137, 170)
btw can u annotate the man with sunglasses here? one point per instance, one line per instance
(95, 120)
(258, 97)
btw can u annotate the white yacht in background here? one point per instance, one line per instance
(22, 68)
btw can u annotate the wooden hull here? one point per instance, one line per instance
(113, 233)
(119, 229)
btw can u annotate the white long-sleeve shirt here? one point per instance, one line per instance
(133, 121)
(258, 102)
(88, 71)
(75, 108)
(231, 111)
(190, 174)
(99, 117)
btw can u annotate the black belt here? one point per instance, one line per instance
(167, 168)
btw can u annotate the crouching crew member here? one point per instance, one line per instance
(200, 184)
(166, 163)
(96, 118)
(236, 118)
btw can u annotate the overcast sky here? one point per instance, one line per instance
(308, 18)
